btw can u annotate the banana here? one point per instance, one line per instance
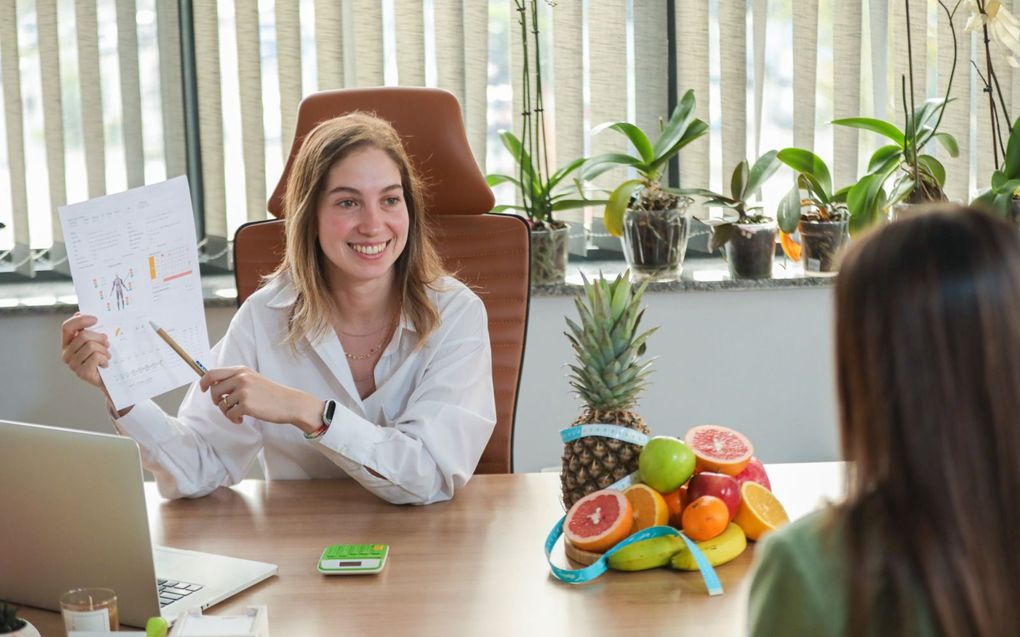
(651, 553)
(726, 546)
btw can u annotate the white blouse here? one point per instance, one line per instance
(423, 429)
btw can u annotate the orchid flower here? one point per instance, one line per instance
(1003, 27)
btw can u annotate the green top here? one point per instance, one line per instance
(799, 585)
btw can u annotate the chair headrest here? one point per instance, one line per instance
(429, 123)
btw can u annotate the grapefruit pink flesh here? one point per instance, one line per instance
(719, 448)
(598, 521)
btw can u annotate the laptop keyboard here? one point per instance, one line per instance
(170, 591)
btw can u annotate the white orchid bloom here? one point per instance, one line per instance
(1003, 27)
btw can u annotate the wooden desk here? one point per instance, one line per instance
(473, 566)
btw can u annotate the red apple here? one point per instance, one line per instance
(754, 472)
(720, 485)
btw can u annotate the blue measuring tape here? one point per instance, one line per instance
(632, 436)
(588, 573)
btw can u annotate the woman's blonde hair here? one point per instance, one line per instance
(418, 266)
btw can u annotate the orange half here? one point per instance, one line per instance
(650, 508)
(760, 511)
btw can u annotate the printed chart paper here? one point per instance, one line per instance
(134, 258)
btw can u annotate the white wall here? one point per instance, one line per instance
(760, 361)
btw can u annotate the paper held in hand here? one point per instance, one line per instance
(133, 258)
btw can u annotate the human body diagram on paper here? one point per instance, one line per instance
(133, 259)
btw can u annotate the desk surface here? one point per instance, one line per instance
(471, 566)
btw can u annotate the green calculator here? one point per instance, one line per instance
(353, 559)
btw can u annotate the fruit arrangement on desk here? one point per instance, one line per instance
(708, 485)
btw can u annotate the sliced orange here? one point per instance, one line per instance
(649, 506)
(760, 511)
(790, 247)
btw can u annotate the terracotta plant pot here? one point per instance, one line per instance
(751, 250)
(654, 242)
(822, 243)
(549, 255)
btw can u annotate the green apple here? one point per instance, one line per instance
(666, 463)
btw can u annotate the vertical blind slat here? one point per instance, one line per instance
(607, 55)
(329, 51)
(410, 25)
(650, 60)
(878, 23)
(288, 62)
(846, 58)
(210, 116)
(52, 108)
(130, 92)
(805, 73)
(568, 73)
(249, 75)
(15, 131)
(692, 56)
(171, 91)
(91, 96)
(760, 21)
(733, 84)
(366, 36)
(476, 76)
(449, 21)
(956, 121)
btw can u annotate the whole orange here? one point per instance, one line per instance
(705, 518)
(676, 500)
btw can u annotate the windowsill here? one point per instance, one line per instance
(700, 275)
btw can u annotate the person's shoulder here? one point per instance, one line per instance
(815, 541)
(451, 295)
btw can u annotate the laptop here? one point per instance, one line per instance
(75, 516)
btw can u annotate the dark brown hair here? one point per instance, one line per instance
(928, 373)
(418, 266)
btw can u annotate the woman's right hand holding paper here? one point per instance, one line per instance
(83, 350)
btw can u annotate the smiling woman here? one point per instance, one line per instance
(359, 341)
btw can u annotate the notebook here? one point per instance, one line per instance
(75, 517)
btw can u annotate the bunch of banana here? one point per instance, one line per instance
(651, 553)
(721, 549)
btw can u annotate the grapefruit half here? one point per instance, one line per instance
(719, 448)
(598, 521)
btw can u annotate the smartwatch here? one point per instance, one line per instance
(327, 419)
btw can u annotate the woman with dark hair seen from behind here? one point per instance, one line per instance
(359, 358)
(928, 374)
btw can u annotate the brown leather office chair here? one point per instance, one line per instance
(489, 253)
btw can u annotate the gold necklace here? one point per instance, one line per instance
(370, 353)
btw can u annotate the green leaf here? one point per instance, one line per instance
(998, 179)
(636, 136)
(612, 218)
(933, 167)
(901, 189)
(495, 180)
(1002, 204)
(811, 165)
(865, 201)
(739, 179)
(571, 204)
(562, 173)
(720, 235)
(814, 188)
(984, 198)
(697, 129)
(679, 121)
(788, 214)
(763, 169)
(1012, 164)
(949, 143)
(599, 164)
(882, 156)
(874, 125)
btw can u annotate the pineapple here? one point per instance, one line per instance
(608, 377)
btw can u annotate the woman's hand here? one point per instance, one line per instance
(83, 350)
(240, 392)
